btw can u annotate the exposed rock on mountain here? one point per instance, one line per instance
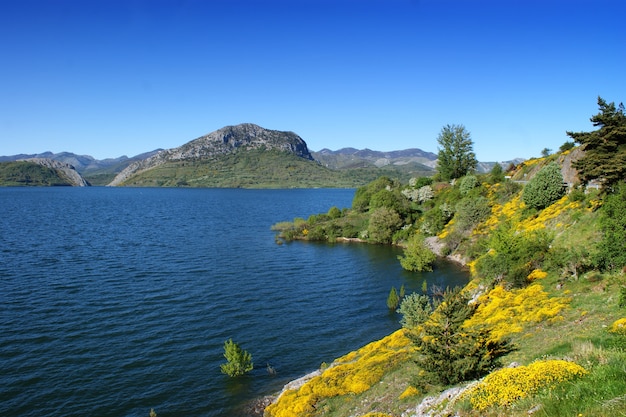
(66, 170)
(351, 157)
(222, 142)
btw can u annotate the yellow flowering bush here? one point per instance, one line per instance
(505, 312)
(411, 391)
(351, 374)
(549, 213)
(619, 327)
(537, 274)
(505, 386)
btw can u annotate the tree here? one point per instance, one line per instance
(604, 149)
(496, 175)
(545, 152)
(544, 188)
(238, 362)
(417, 257)
(383, 223)
(452, 353)
(393, 299)
(456, 157)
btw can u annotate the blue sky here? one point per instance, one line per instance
(111, 78)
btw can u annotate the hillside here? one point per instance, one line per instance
(249, 156)
(39, 172)
(548, 282)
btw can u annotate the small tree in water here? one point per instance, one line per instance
(393, 299)
(239, 360)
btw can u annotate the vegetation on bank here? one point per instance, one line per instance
(24, 173)
(540, 329)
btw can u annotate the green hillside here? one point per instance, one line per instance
(256, 168)
(23, 173)
(541, 327)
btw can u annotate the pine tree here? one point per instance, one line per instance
(393, 299)
(452, 353)
(238, 362)
(604, 149)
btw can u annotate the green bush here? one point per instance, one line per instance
(468, 183)
(612, 247)
(417, 257)
(470, 212)
(544, 188)
(415, 309)
(512, 255)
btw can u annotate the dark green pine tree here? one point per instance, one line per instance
(451, 353)
(604, 149)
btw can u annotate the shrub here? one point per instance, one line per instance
(470, 212)
(612, 247)
(544, 188)
(505, 386)
(238, 362)
(417, 256)
(415, 309)
(468, 183)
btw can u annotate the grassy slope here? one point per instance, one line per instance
(258, 169)
(578, 333)
(24, 173)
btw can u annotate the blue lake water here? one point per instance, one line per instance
(114, 301)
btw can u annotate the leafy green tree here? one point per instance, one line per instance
(238, 362)
(417, 256)
(546, 152)
(612, 247)
(393, 299)
(604, 149)
(544, 188)
(383, 223)
(456, 157)
(451, 353)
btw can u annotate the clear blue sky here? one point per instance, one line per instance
(108, 78)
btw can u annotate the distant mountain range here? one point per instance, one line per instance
(235, 155)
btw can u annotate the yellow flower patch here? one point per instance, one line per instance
(411, 391)
(619, 327)
(505, 386)
(351, 374)
(537, 274)
(505, 312)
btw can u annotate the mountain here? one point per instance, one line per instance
(346, 158)
(243, 151)
(40, 172)
(97, 172)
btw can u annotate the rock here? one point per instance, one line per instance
(67, 170)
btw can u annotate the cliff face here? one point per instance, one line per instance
(224, 141)
(67, 170)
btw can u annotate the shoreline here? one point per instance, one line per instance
(257, 406)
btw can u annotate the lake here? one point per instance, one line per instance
(114, 301)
